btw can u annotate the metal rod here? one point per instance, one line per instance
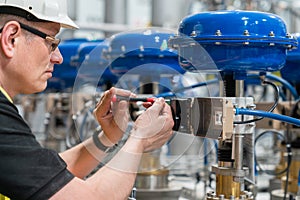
(238, 151)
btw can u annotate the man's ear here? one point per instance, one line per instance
(10, 37)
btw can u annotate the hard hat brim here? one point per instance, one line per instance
(64, 20)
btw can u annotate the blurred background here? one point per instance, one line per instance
(111, 16)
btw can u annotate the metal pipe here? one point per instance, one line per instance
(221, 88)
(115, 6)
(239, 88)
(238, 151)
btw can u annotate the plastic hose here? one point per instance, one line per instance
(283, 82)
(284, 118)
(172, 94)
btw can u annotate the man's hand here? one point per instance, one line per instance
(113, 116)
(154, 126)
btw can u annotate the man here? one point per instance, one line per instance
(28, 52)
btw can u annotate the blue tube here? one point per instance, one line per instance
(172, 94)
(166, 94)
(205, 152)
(260, 113)
(283, 82)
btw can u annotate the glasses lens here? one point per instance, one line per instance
(54, 45)
(54, 42)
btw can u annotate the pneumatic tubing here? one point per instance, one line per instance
(285, 83)
(172, 94)
(261, 113)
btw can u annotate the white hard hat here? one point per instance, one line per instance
(39, 10)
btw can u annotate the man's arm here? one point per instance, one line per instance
(113, 118)
(115, 180)
(85, 157)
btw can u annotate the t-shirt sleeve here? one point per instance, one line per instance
(28, 171)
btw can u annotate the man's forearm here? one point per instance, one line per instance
(121, 171)
(83, 158)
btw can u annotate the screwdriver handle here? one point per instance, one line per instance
(133, 99)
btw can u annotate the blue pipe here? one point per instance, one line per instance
(172, 94)
(260, 113)
(283, 82)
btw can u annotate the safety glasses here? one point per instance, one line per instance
(52, 40)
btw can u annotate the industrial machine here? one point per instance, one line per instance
(235, 44)
(290, 72)
(92, 68)
(144, 55)
(293, 132)
(286, 181)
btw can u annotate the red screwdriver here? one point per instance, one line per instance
(133, 99)
(136, 99)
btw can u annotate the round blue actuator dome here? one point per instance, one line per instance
(232, 41)
(143, 52)
(291, 70)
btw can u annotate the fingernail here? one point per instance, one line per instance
(159, 99)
